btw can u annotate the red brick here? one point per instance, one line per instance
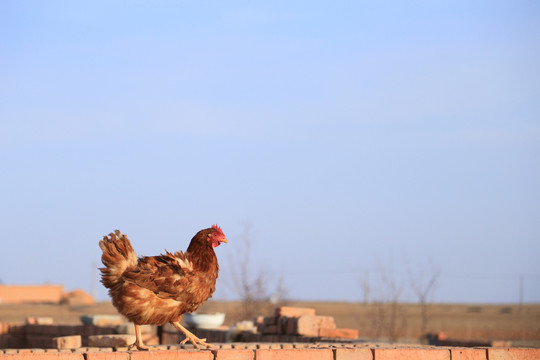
(114, 340)
(288, 311)
(42, 356)
(67, 342)
(151, 340)
(501, 343)
(173, 355)
(107, 356)
(281, 325)
(309, 325)
(339, 333)
(230, 354)
(39, 320)
(270, 329)
(468, 354)
(411, 354)
(295, 354)
(270, 338)
(39, 329)
(513, 354)
(288, 325)
(38, 341)
(353, 354)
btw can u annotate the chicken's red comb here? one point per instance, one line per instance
(217, 228)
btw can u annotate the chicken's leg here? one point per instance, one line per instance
(138, 342)
(190, 336)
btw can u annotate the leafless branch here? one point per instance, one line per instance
(249, 283)
(424, 289)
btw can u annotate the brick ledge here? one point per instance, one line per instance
(279, 352)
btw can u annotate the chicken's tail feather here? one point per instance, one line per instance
(118, 255)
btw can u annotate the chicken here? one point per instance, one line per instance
(154, 290)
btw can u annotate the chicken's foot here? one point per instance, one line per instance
(190, 336)
(138, 342)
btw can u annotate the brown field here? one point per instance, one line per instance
(402, 322)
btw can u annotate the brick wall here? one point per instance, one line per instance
(278, 352)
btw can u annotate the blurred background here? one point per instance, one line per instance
(351, 151)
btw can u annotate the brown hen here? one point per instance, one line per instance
(154, 290)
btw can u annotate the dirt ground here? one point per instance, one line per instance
(401, 322)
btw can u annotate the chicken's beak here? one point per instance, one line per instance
(224, 240)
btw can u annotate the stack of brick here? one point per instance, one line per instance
(11, 335)
(42, 336)
(297, 322)
(43, 333)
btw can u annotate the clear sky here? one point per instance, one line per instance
(353, 137)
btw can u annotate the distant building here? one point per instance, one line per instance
(20, 294)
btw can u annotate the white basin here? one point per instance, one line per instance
(204, 321)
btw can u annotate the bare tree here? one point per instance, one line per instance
(282, 291)
(365, 285)
(396, 321)
(423, 285)
(249, 283)
(390, 318)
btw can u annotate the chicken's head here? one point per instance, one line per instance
(216, 236)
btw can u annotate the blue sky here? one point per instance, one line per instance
(352, 137)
